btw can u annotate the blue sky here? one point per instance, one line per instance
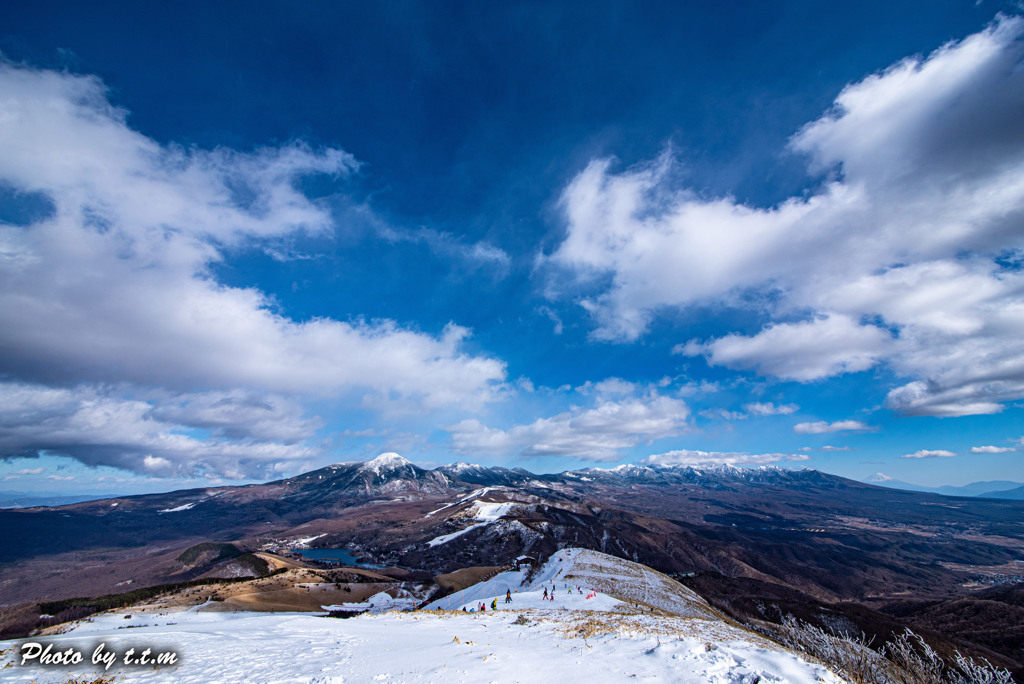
(240, 242)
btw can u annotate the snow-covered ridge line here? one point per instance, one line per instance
(392, 461)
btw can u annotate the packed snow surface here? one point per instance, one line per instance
(584, 634)
(544, 646)
(380, 602)
(574, 573)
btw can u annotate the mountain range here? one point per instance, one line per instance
(991, 489)
(745, 538)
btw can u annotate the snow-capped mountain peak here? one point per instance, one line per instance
(386, 461)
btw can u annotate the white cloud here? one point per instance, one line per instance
(445, 244)
(593, 434)
(991, 450)
(237, 414)
(770, 409)
(900, 257)
(114, 288)
(689, 457)
(116, 283)
(804, 351)
(757, 409)
(609, 387)
(821, 427)
(722, 414)
(930, 453)
(554, 318)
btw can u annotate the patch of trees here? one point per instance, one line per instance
(216, 550)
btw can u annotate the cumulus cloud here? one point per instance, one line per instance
(909, 253)
(116, 282)
(991, 450)
(803, 351)
(930, 453)
(822, 427)
(689, 457)
(590, 434)
(237, 414)
(112, 286)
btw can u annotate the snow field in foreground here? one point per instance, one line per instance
(636, 624)
(542, 646)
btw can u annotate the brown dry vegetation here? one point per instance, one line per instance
(460, 579)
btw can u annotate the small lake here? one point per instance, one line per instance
(334, 556)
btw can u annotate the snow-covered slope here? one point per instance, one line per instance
(496, 646)
(571, 570)
(610, 621)
(483, 512)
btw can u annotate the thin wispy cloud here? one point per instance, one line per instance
(478, 254)
(822, 427)
(770, 409)
(752, 410)
(991, 450)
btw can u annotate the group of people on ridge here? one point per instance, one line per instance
(548, 596)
